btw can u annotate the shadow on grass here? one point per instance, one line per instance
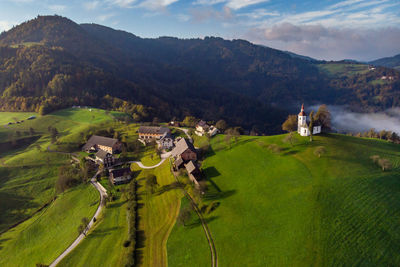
(103, 232)
(140, 244)
(197, 222)
(219, 195)
(169, 187)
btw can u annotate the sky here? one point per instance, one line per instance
(326, 29)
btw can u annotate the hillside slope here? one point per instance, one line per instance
(296, 209)
(390, 62)
(53, 61)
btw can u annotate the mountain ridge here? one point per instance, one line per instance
(248, 85)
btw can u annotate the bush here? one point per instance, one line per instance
(126, 243)
(275, 148)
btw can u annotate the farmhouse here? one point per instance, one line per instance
(183, 152)
(148, 133)
(166, 141)
(120, 176)
(302, 125)
(105, 158)
(96, 143)
(202, 128)
(193, 171)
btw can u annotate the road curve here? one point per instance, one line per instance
(103, 195)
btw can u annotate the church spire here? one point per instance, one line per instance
(302, 113)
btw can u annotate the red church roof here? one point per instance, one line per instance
(302, 113)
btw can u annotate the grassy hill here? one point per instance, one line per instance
(27, 185)
(296, 209)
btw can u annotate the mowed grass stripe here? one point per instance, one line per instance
(157, 215)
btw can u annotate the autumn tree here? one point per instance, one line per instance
(311, 125)
(290, 125)
(324, 118)
(221, 125)
(189, 121)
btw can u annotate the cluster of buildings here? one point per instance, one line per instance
(182, 150)
(203, 128)
(105, 148)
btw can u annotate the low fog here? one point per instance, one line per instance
(346, 121)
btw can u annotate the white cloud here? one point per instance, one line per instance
(5, 25)
(156, 4)
(91, 5)
(208, 13)
(105, 17)
(330, 42)
(122, 3)
(260, 13)
(57, 8)
(208, 2)
(238, 4)
(183, 17)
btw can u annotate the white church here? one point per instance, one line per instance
(302, 126)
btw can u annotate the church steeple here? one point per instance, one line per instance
(302, 113)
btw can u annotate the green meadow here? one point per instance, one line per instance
(157, 213)
(343, 69)
(33, 227)
(43, 237)
(296, 209)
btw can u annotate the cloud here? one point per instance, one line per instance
(238, 4)
(260, 13)
(122, 3)
(183, 17)
(57, 8)
(233, 4)
(208, 13)
(91, 5)
(5, 25)
(329, 42)
(344, 120)
(105, 17)
(156, 4)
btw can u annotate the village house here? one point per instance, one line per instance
(149, 133)
(105, 158)
(202, 128)
(193, 171)
(183, 152)
(302, 125)
(96, 143)
(120, 176)
(166, 141)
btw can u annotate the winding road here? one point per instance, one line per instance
(103, 196)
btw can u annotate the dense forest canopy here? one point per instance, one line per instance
(51, 62)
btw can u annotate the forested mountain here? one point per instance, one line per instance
(51, 62)
(390, 62)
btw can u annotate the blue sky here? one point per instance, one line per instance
(356, 29)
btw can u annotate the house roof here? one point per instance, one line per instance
(121, 172)
(153, 130)
(178, 162)
(101, 154)
(100, 140)
(302, 113)
(190, 166)
(202, 124)
(181, 147)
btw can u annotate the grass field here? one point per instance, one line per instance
(48, 233)
(27, 177)
(157, 214)
(295, 209)
(341, 69)
(103, 246)
(6, 117)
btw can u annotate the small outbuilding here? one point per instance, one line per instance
(105, 158)
(120, 176)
